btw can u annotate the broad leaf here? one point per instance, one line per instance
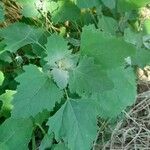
(109, 3)
(108, 24)
(86, 3)
(46, 142)
(64, 11)
(114, 101)
(15, 133)
(107, 50)
(18, 35)
(35, 93)
(88, 78)
(76, 126)
(60, 146)
(142, 57)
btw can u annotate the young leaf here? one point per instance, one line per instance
(60, 77)
(88, 78)
(35, 93)
(7, 106)
(18, 35)
(57, 49)
(74, 124)
(15, 133)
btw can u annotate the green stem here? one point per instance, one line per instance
(66, 94)
(41, 128)
(33, 142)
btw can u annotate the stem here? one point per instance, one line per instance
(66, 94)
(41, 128)
(33, 142)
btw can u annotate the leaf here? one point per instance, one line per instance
(15, 133)
(108, 51)
(57, 49)
(86, 3)
(109, 3)
(132, 37)
(111, 54)
(60, 77)
(62, 11)
(34, 8)
(35, 93)
(29, 8)
(1, 78)
(114, 101)
(146, 41)
(2, 17)
(142, 57)
(18, 35)
(7, 106)
(128, 5)
(88, 78)
(46, 142)
(60, 146)
(146, 26)
(108, 24)
(74, 115)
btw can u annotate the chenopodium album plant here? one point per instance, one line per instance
(68, 89)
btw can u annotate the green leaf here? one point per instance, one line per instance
(60, 146)
(88, 78)
(146, 27)
(108, 51)
(34, 8)
(62, 11)
(123, 94)
(15, 133)
(35, 93)
(57, 49)
(60, 77)
(46, 142)
(1, 78)
(111, 54)
(108, 24)
(29, 8)
(18, 35)
(128, 5)
(2, 17)
(146, 41)
(132, 37)
(74, 115)
(109, 3)
(7, 106)
(86, 3)
(142, 57)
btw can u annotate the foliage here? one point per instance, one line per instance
(64, 64)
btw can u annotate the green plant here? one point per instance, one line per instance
(66, 63)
